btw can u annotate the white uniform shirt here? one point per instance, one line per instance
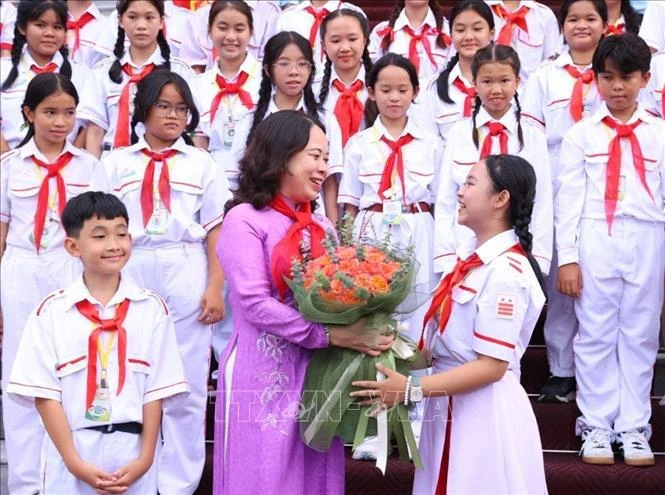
(494, 309)
(365, 159)
(199, 192)
(652, 29)
(540, 43)
(460, 155)
(402, 40)
(584, 156)
(230, 110)
(12, 124)
(95, 39)
(547, 101)
(7, 21)
(434, 114)
(652, 96)
(333, 94)
(333, 133)
(199, 49)
(52, 359)
(297, 19)
(100, 97)
(20, 180)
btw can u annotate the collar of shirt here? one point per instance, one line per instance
(402, 20)
(508, 120)
(272, 107)
(564, 59)
(380, 130)
(27, 59)
(491, 248)
(179, 145)
(92, 8)
(455, 72)
(330, 5)
(361, 75)
(523, 3)
(640, 114)
(30, 149)
(78, 291)
(155, 58)
(250, 65)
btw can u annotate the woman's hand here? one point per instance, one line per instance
(388, 392)
(359, 337)
(212, 306)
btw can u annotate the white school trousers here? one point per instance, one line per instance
(26, 279)
(619, 317)
(179, 273)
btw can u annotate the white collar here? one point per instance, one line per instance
(639, 114)
(360, 77)
(379, 130)
(78, 291)
(29, 61)
(249, 66)
(92, 9)
(489, 250)
(30, 149)
(403, 21)
(508, 120)
(154, 58)
(272, 106)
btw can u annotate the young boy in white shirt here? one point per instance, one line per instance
(98, 358)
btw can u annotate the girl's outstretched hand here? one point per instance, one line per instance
(388, 392)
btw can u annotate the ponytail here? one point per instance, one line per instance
(388, 37)
(115, 71)
(17, 50)
(443, 79)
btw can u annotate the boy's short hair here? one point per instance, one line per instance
(628, 52)
(88, 205)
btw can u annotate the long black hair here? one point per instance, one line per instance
(29, 11)
(277, 138)
(515, 175)
(397, 10)
(115, 71)
(147, 93)
(41, 87)
(366, 60)
(371, 110)
(504, 55)
(484, 11)
(273, 49)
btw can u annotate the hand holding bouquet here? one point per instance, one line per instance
(349, 282)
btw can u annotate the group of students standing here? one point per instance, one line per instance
(409, 129)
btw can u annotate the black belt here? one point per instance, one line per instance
(132, 427)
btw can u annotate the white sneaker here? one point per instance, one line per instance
(597, 447)
(635, 447)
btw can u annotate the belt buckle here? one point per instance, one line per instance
(110, 428)
(406, 208)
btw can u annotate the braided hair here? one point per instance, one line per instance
(30, 11)
(115, 71)
(496, 54)
(515, 175)
(147, 93)
(273, 49)
(484, 11)
(367, 62)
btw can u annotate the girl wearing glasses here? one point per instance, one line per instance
(175, 197)
(288, 72)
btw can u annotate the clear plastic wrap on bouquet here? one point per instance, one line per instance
(353, 280)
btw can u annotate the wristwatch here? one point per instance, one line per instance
(416, 391)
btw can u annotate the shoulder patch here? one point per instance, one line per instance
(48, 299)
(505, 306)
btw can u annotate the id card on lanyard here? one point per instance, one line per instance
(100, 410)
(159, 219)
(392, 205)
(52, 223)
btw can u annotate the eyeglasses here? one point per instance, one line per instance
(287, 66)
(164, 109)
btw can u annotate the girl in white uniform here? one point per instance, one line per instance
(494, 127)
(201, 53)
(391, 170)
(88, 33)
(102, 420)
(652, 29)
(38, 46)
(305, 18)
(342, 92)
(36, 178)
(416, 30)
(175, 195)
(530, 28)
(106, 101)
(478, 327)
(622, 18)
(7, 21)
(288, 72)
(450, 95)
(653, 98)
(610, 222)
(230, 90)
(558, 94)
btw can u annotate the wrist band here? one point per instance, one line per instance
(407, 390)
(327, 331)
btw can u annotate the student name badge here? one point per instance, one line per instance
(49, 232)
(392, 207)
(229, 133)
(100, 410)
(158, 221)
(622, 187)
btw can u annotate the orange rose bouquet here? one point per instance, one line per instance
(352, 280)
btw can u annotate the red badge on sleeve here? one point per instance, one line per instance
(505, 306)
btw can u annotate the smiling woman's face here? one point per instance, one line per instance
(306, 170)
